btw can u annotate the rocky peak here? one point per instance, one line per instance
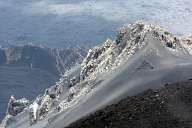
(130, 39)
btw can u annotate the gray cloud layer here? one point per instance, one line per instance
(175, 15)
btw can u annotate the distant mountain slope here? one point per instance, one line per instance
(141, 57)
(167, 107)
(28, 70)
(52, 60)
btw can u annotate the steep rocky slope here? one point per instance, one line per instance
(141, 57)
(28, 70)
(167, 107)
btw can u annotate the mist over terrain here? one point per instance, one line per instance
(62, 23)
(26, 71)
(44, 56)
(142, 56)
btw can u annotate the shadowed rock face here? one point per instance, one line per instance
(33, 57)
(168, 107)
(47, 59)
(2, 56)
(25, 71)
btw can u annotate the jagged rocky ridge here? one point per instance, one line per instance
(129, 40)
(28, 70)
(141, 55)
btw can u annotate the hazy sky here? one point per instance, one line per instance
(62, 22)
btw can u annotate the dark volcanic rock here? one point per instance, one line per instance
(168, 107)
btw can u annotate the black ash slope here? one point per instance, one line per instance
(168, 107)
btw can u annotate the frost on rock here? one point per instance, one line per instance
(33, 113)
(50, 100)
(16, 106)
(45, 106)
(75, 95)
(98, 59)
(41, 107)
(129, 40)
(187, 43)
